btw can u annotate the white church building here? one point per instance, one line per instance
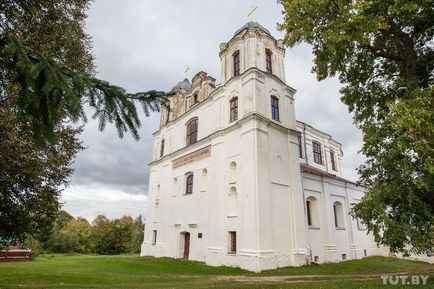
(236, 180)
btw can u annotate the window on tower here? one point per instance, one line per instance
(236, 58)
(162, 148)
(191, 132)
(234, 109)
(275, 108)
(268, 61)
(317, 157)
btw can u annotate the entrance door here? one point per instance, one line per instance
(186, 245)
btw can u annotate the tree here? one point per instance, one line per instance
(137, 235)
(112, 237)
(46, 79)
(382, 52)
(31, 177)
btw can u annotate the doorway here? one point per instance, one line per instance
(185, 237)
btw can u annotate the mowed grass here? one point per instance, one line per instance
(93, 271)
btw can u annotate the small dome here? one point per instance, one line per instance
(185, 85)
(252, 25)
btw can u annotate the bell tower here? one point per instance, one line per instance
(252, 46)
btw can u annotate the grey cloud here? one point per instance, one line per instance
(142, 45)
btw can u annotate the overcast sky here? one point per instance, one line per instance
(146, 44)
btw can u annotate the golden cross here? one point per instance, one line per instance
(250, 15)
(187, 69)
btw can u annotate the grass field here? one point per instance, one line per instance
(92, 271)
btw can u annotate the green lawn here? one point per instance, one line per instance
(92, 271)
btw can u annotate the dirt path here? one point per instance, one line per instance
(312, 278)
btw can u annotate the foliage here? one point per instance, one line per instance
(81, 271)
(47, 70)
(382, 52)
(104, 236)
(137, 235)
(112, 237)
(46, 80)
(31, 177)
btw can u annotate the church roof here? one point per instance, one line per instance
(314, 171)
(185, 84)
(252, 25)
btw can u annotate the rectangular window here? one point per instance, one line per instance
(154, 237)
(234, 109)
(332, 159)
(236, 58)
(317, 157)
(232, 242)
(268, 61)
(309, 212)
(168, 115)
(300, 148)
(275, 108)
(162, 148)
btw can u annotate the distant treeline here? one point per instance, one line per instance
(77, 235)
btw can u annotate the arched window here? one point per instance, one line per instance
(204, 180)
(162, 148)
(192, 132)
(232, 172)
(338, 213)
(274, 108)
(268, 60)
(195, 98)
(236, 59)
(332, 160)
(233, 109)
(312, 212)
(189, 184)
(232, 205)
(317, 157)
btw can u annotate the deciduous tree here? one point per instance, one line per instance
(382, 52)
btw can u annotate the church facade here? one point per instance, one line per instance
(236, 180)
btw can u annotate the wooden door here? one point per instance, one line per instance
(186, 245)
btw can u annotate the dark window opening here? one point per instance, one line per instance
(300, 148)
(192, 132)
(236, 58)
(332, 159)
(317, 157)
(162, 148)
(309, 213)
(232, 242)
(234, 109)
(154, 237)
(268, 61)
(189, 184)
(275, 108)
